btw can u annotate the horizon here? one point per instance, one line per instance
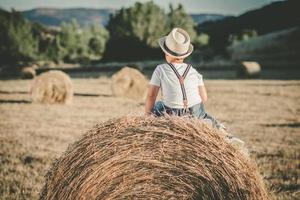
(231, 7)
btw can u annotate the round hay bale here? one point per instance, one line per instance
(34, 66)
(130, 83)
(248, 69)
(52, 87)
(153, 158)
(28, 73)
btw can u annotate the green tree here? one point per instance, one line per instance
(97, 41)
(16, 40)
(141, 25)
(201, 40)
(144, 21)
(245, 35)
(54, 51)
(77, 44)
(177, 17)
(72, 44)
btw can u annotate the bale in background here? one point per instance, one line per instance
(28, 73)
(52, 87)
(153, 158)
(130, 83)
(249, 69)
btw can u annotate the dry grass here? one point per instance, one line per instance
(266, 114)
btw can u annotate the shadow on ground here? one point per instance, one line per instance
(2, 101)
(75, 94)
(291, 125)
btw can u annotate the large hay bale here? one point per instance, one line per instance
(130, 83)
(28, 72)
(249, 69)
(52, 87)
(153, 158)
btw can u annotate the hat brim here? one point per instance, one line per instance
(161, 43)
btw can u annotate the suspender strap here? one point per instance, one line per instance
(186, 71)
(181, 81)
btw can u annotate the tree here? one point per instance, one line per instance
(201, 40)
(22, 41)
(245, 35)
(144, 21)
(16, 40)
(77, 44)
(72, 44)
(177, 17)
(97, 42)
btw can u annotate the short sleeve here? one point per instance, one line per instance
(200, 79)
(155, 79)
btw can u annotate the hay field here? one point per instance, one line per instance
(266, 114)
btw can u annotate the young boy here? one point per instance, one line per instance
(182, 88)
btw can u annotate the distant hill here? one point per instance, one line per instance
(273, 17)
(54, 16)
(276, 48)
(201, 18)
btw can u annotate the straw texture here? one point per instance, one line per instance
(52, 87)
(153, 158)
(130, 83)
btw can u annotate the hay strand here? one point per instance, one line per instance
(28, 73)
(153, 158)
(130, 83)
(52, 87)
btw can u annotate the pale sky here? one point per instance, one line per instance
(232, 7)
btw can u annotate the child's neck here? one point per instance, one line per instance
(175, 61)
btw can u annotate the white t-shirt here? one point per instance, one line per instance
(164, 77)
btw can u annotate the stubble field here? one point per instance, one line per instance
(265, 114)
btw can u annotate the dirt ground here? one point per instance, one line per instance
(265, 114)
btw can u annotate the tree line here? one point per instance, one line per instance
(22, 41)
(131, 34)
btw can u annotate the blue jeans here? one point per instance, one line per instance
(197, 111)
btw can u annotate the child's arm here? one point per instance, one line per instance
(151, 97)
(202, 93)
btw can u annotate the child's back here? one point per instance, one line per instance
(165, 78)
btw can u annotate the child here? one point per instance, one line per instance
(182, 87)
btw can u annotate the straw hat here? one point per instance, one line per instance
(177, 44)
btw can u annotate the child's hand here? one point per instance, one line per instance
(148, 114)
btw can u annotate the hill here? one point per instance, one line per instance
(279, 48)
(273, 17)
(202, 18)
(55, 16)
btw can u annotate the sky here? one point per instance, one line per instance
(228, 7)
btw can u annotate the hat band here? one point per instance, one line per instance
(172, 52)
